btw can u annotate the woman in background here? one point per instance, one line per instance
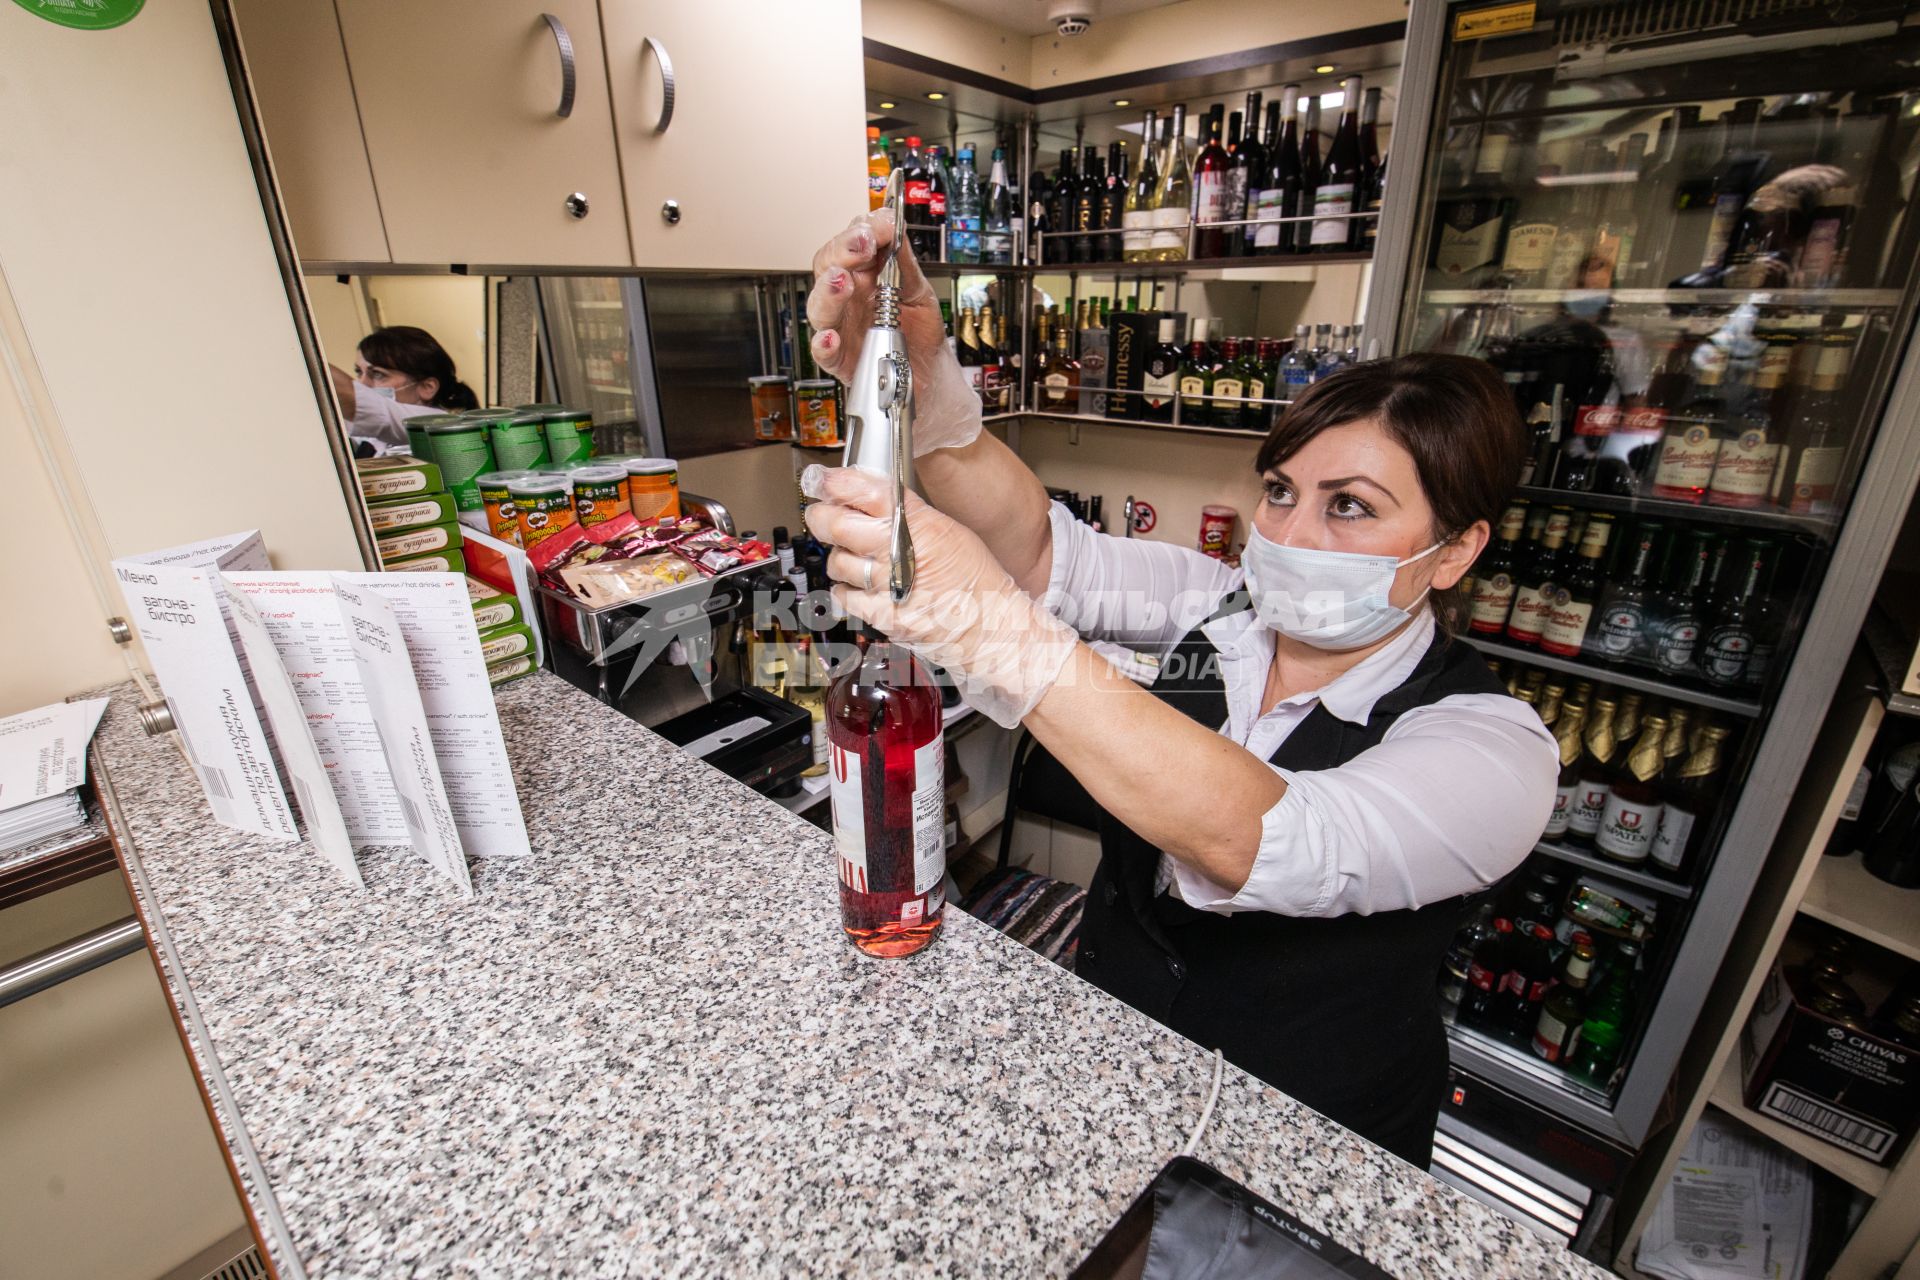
(402, 372)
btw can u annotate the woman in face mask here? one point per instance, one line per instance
(1298, 806)
(402, 371)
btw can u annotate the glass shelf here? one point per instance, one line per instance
(1601, 866)
(1801, 299)
(1664, 509)
(1620, 679)
(1496, 1060)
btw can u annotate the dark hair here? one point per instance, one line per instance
(419, 355)
(1452, 413)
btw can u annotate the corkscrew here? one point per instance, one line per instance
(880, 401)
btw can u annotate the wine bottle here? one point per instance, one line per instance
(1373, 174)
(1210, 192)
(1136, 239)
(1309, 171)
(1280, 188)
(1113, 202)
(888, 754)
(1171, 209)
(1334, 194)
(1244, 178)
(1066, 189)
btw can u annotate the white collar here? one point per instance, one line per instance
(1245, 645)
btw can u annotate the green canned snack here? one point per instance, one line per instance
(520, 442)
(569, 436)
(459, 448)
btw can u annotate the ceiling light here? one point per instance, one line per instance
(886, 106)
(1123, 102)
(935, 96)
(1325, 69)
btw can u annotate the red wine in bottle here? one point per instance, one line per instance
(889, 800)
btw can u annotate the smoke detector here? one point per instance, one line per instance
(1071, 17)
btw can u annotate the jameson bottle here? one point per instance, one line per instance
(1632, 812)
(889, 797)
(1567, 729)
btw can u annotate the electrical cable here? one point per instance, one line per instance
(1206, 1113)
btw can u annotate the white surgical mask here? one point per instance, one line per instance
(385, 393)
(1327, 599)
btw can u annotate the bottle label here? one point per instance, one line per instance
(1623, 628)
(1256, 390)
(1530, 246)
(1563, 802)
(1159, 391)
(1228, 387)
(917, 191)
(1296, 377)
(1743, 472)
(1686, 463)
(1170, 229)
(1626, 828)
(877, 183)
(1597, 421)
(1529, 617)
(1814, 481)
(1251, 209)
(1466, 245)
(1565, 629)
(928, 807)
(936, 203)
(1673, 651)
(1331, 199)
(1210, 197)
(1727, 653)
(1549, 1036)
(1670, 843)
(1236, 199)
(976, 377)
(1193, 393)
(1136, 230)
(1056, 384)
(1589, 805)
(1269, 206)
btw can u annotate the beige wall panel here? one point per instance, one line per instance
(937, 31)
(470, 161)
(1177, 473)
(137, 251)
(451, 308)
(766, 150)
(299, 71)
(1195, 29)
(339, 318)
(757, 485)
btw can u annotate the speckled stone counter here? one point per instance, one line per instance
(649, 1051)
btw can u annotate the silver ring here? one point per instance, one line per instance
(869, 576)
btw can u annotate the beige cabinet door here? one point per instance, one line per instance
(298, 67)
(471, 158)
(764, 155)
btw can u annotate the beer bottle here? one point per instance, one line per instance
(1690, 796)
(1552, 698)
(1623, 634)
(1560, 1016)
(1633, 809)
(1496, 575)
(1626, 721)
(1676, 635)
(1573, 718)
(1730, 639)
(1457, 968)
(1485, 978)
(1592, 782)
(1684, 466)
(1570, 607)
(1745, 469)
(1603, 1029)
(1816, 433)
(1534, 598)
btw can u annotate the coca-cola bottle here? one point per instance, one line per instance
(886, 765)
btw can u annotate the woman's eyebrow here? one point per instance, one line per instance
(1343, 481)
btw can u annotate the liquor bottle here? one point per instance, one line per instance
(1296, 367)
(1730, 637)
(996, 220)
(1210, 191)
(1229, 386)
(1310, 172)
(1175, 199)
(923, 233)
(1688, 796)
(879, 168)
(1373, 175)
(1196, 378)
(967, 350)
(993, 371)
(1113, 202)
(1009, 366)
(1495, 575)
(1470, 228)
(1573, 238)
(1734, 181)
(1680, 605)
(1633, 808)
(1567, 729)
(1456, 966)
(1603, 1031)
(1066, 188)
(1251, 372)
(887, 757)
(1534, 225)
(1160, 381)
(1614, 235)
(1596, 773)
(1816, 439)
(1136, 238)
(1569, 609)
(1533, 600)
(1334, 196)
(1039, 219)
(807, 689)
(1280, 187)
(1060, 384)
(1322, 343)
(1480, 1007)
(1823, 253)
(963, 217)
(1333, 355)
(1249, 170)
(1623, 635)
(1898, 1020)
(1561, 1014)
(1086, 207)
(1692, 443)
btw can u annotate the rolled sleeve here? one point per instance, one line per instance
(1453, 798)
(1133, 592)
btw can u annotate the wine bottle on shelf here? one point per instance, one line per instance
(1136, 220)
(1373, 174)
(1310, 172)
(1568, 727)
(1060, 211)
(1688, 797)
(1596, 772)
(1280, 187)
(1113, 203)
(1248, 171)
(1171, 210)
(1086, 207)
(1734, 182)
(1335, 195)
(1210, 192)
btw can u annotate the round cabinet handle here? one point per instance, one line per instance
(564, 43)
(119, 630)
(670, 213)
(666, 83)
(577, 205)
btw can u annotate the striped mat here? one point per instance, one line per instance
(1034, 910)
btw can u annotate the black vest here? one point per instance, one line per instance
(1340, 1012)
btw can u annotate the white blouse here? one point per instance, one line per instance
(1452, 798)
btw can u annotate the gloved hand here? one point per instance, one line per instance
(840, 310)
(965, 612)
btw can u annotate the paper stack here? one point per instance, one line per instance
(43, 761)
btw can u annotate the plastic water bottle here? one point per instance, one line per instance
(996, 242)
(963, 211)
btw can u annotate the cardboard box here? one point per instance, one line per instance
(1839, 1083)
(501, 644)
(1131, 337)
(407, 543)
(435, 562)
(491, 606)
(396, 476)
(411, 513)
(1094, 345)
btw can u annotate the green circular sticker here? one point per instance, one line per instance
(84, 15)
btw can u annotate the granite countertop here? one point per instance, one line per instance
(649, 1051)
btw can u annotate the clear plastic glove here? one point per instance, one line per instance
(965, 612)
(840, 310)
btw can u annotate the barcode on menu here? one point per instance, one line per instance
(411, 812)
(215, 781)
(1838, 1127)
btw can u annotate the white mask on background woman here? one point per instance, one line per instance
(1327, 599)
